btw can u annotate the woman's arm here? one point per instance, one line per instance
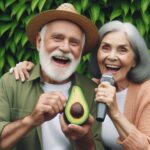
(132, 136)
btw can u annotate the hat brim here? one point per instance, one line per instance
(90, 30)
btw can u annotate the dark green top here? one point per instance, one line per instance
(18, 99)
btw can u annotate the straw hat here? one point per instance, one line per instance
(65, 11)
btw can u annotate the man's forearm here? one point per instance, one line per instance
(13, 132)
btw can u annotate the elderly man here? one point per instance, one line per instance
(31, 112)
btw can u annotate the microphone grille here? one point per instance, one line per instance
(108, 77)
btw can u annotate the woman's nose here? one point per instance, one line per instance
(112, 56)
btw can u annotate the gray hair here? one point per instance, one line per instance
(44, 28)
(141, 71)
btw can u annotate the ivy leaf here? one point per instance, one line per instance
(35, 56)
(41, 5)
(2, 62)
(10, 60)
(144, 5)
(95, 12)
(78, 6)
(86, 57)
(4, 28)
(2, 53)
(48, 4)
(84, 4)
(27, 55)
(17, 36)
(34, 4)
(17, 7)
(27, 19)
(24, 39)
(13, 27)
(125, 7)
(141, 26)
(116, 13)
(2, 7)
(102, 17)
(21, 11)
(132, 8)
(13, 47)
(20, 54)
(9, 2)
(128, 19)
(146, 18)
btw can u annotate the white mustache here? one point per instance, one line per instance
(58, 53)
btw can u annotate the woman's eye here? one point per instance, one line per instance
(105, 48)
(122, 50)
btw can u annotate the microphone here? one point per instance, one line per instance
(102, 107)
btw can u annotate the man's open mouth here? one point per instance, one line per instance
(61, 59)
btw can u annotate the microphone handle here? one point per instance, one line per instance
(101, 111)
(102, 107)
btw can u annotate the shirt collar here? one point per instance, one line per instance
(35, 73)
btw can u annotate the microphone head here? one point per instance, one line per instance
(108, 77)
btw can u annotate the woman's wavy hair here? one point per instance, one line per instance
(141, 71)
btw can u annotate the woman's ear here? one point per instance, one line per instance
(38, 41)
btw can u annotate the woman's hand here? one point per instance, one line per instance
(106, 93)
(21, 70)
(97, 81)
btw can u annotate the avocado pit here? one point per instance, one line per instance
(77, 110)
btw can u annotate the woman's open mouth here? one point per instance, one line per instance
(112, 68)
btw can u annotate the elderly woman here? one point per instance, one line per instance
(123, 53)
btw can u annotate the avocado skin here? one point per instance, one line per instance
(76, 98)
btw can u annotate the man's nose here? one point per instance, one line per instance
(65, 46)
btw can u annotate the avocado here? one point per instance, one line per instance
(76, 110)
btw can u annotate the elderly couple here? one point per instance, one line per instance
(31, 115)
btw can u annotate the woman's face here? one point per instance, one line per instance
(115, 55)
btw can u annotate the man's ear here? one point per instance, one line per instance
(38, 41)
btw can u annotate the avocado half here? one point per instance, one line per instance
(76, 110)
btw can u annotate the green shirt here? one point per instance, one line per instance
(18, 99)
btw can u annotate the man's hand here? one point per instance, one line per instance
(48, 106)
(21, 70)
(82, 135)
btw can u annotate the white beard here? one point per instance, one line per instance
(54, 72)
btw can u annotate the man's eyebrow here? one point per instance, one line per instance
(61, 35)
(75, 39)
(56, 34)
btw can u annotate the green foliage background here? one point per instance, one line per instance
(15, 15)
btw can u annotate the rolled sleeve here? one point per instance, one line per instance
(4, 106)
